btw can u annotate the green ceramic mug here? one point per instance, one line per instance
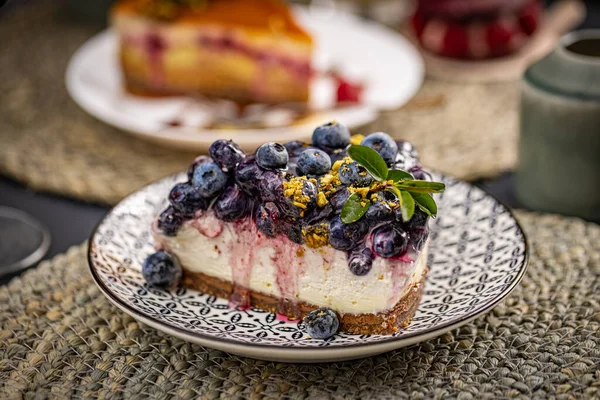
(559, 150)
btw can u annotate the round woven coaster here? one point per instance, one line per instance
(61, 338)
(48, 143)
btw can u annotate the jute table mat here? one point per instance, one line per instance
(60, 338)
(48, 143)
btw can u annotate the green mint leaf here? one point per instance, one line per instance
(408, 206)
(426, 203)
(421, 186)
(398, 175)
(371, 160)
(353, 209)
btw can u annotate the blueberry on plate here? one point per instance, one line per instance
(186, 199)
(161, 269)
(247, 175)
(272, 156)
(226, 154)
(354, 174)
(331, 135)
(266, 217)
(322, 323)
(360, 261)
(313, 162)
(345, 236)
(209, 179)
(197, 161)
(170, 221)
(232, 204)
(389, 242)
(383, 144)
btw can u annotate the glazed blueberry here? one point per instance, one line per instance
(319, 214)
(266, 218)
(322, 323)
(161, 269)
(270, 186)
(418, 238)
(292, 229)
(232, 204)
(345, 236)
(419, 174)
(272, 156)
(383, 144)
(355, 174)
(170, 221)
(226, 154)
(186, 199)
(208, 179)
(360, 261)
(247, 175)
(331, 135)
(379, 212)
(389, 242)
(313, 162)
(418, 221)
(338, 199)
(197, 161)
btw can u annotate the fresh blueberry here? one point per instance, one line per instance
(270, 186)
(360, 261)
(345, 236)
(272, 156)
(170, 221)
(161, 269)
(266, 218)
(197, 161)
(208, 179)
(294, 148)
(186, 199)
(322, 323)
(331, 135)
(420, 174)
(226, 154)
(383, 144)
(338, 199)
(247, 175)
(313, 162)
(292, 229)
(389, 242)
(379, 212)
(232, 204)
(355, 174)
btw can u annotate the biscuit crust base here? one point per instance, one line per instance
(360, 324)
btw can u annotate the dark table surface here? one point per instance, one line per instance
(70, 222)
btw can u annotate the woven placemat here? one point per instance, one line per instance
(61, 338)
(48, 143)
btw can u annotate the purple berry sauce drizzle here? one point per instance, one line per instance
(267, 197)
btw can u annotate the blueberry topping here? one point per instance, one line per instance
(272, 156)
(247, 175)
(418, 238)
(170, 221)
(389, 242)
(383, 144)
(322, 323)
(294, 148)
(337, 155)
(186, 199)
(208, 179)
(226, 154)
(317, 215)
(266, 218)
(232, 204)
(197, 161)
(379, 212)
(292, 229)
(313, 162)
(161, 269)
(332, 135)
(345, 236)
(355, 174)
(270, 186)
(360, 261)
(338, 199)
(418, 221)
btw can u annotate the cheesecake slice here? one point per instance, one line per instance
(276, 230)
(249, 51)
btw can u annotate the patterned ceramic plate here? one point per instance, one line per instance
(478, 255)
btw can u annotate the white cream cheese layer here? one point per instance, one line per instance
(321, 276)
